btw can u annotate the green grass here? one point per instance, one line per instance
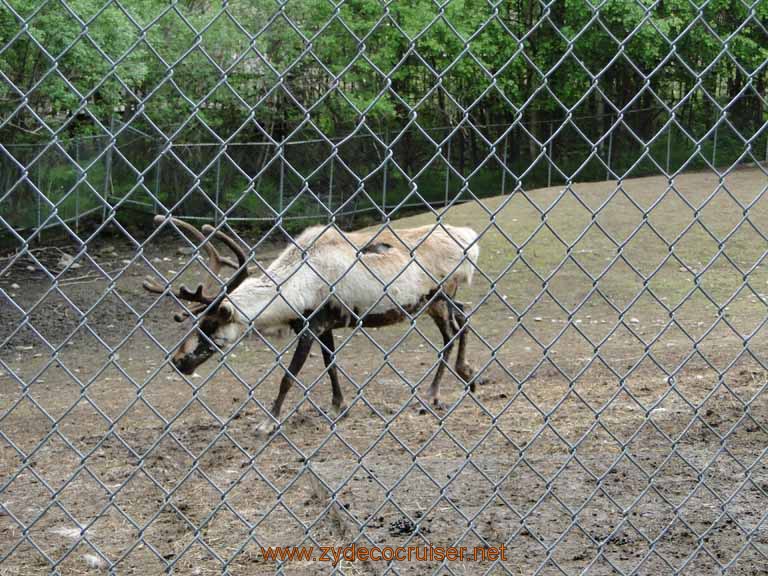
(535, 250)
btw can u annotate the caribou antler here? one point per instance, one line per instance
(229, 241)
(199, 295)
(217, 260)
(152, 286)
(242, 258)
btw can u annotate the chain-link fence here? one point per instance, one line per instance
(596, 169)
(112, 189)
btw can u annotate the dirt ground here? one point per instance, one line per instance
(624, 428)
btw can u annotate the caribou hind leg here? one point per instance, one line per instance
(460, 324)
(440, 312)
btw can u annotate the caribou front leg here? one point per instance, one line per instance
(329, 359)
(269, 425)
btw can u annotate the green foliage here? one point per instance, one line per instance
(197, 72)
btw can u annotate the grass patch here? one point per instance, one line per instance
(644, 265)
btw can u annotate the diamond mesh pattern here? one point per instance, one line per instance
(610, 156)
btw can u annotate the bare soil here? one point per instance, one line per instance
(624, 428)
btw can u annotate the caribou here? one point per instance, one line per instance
(326, 280)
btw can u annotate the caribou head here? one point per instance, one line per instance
(216, 318)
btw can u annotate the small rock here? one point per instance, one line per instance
(31, 268)
(93, 561)
(15, 286)
(537, 319)
(67, 532)
(401, 526)
(185, 250)
(634, 321)
(66, 260)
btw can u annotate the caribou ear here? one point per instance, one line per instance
(226, 311)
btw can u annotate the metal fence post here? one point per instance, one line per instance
(77, 190)
(447, 172)
(282, 179)
(610, 148)
(549, 157)
(669, 147)
(217, 200)
(158, 167)
(108, 167)
(330, 188)
(41, 189)
(504, 166)
(385, 183)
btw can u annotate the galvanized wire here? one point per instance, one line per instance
(110, 150)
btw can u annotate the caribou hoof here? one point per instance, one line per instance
(477, 382)
(265, 429)
(435, 405)
(339, 412)
(473, 380)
